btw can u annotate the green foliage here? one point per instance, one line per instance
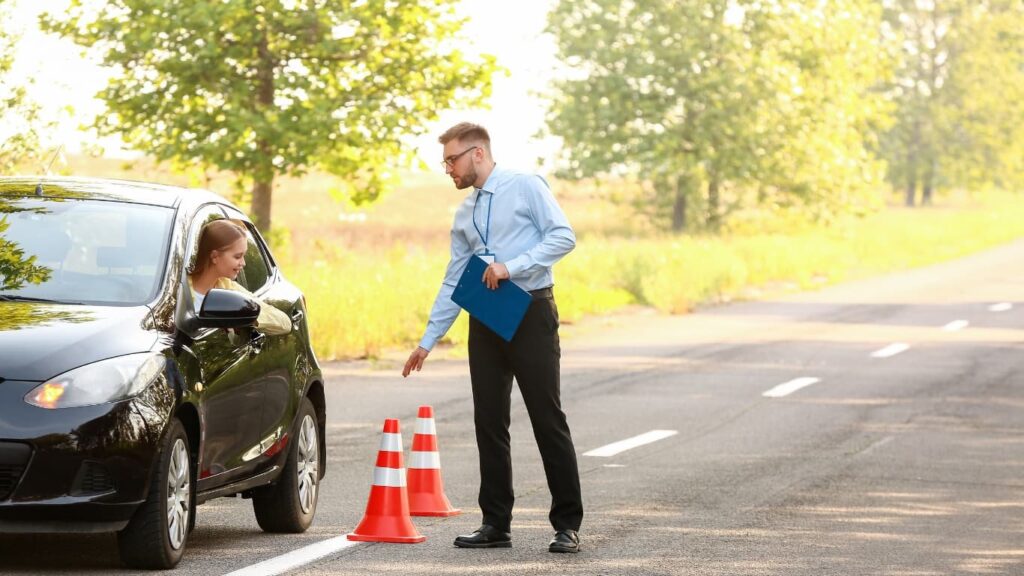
(959, 87)
(19, 116)
(705, 101)
(15, 267)
(272, 87)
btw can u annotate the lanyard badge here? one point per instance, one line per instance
(486, 255)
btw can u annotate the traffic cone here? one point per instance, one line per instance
(387, 513)
(426, 491)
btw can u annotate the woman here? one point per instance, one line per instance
(221, 256)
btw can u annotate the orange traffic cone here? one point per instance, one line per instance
(387, 513)
(426, 491)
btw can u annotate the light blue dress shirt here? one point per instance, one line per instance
(527, 232)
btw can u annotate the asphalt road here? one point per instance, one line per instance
(905, 459)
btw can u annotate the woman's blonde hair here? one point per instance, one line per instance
(216, 235)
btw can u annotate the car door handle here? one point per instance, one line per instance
(256, 341)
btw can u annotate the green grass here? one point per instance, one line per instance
(370, 273)
(367, 301)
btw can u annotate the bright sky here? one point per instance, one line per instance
(512, 31)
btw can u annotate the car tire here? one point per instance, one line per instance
(156, 535)
(289, 504)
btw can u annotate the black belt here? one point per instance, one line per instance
(542, 293)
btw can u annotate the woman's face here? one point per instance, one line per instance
(230, 261)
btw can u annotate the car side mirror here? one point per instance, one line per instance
(227, 309)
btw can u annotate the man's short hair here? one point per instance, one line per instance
(464, 131)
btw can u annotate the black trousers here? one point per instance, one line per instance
(532, 358)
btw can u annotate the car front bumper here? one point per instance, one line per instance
(76, 469)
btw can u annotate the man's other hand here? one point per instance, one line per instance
(415, 361)
(495, 272)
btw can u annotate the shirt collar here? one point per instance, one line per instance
(494, 181)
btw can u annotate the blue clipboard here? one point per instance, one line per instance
(501, 310)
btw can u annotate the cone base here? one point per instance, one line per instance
(391, 539)
(445, 513)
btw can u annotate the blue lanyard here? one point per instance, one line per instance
(487, 231)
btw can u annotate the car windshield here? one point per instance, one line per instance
(81, 251)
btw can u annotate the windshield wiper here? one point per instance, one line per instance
(19, 298)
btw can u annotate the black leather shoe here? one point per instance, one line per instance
(565, 541)
(485, 536)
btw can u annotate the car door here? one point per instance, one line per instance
(275, 361)
(231, 400)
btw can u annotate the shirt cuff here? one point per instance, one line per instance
(427, 343)
(516, 266)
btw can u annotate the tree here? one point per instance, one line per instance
(19, 116)
(276, 87)
(696, 96)
(959, 88)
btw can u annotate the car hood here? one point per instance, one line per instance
(39, 341)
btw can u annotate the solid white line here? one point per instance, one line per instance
(295, 558)
(1001, 307)
(890, 350)
(955, 325)
(790, 387)
(623, 445)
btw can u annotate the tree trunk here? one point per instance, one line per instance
(679, 206)
(263, 179)
(261, 193)
(714, 204)
(929, 184)
(911, 190)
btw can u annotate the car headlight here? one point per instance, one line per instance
(98, 383)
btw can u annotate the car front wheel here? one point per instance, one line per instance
(156, 535)
(289, 504)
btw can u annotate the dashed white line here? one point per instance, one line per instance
(890, 350)
(955, 325)
(790, 387)
(295, 558)
(623, 445)
(1001, 307)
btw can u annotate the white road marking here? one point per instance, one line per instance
(623, 445)
(295, 558)
(890, 350)
(790, 387)
(1001, 307)
(955, 325)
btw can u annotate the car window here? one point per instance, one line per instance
(257, 270)
(74, 250)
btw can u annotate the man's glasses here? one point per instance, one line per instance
(449, 162)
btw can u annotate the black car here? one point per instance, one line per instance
(121, 408)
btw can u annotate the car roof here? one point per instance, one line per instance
(131, 191)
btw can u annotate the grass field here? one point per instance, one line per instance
(370, 273)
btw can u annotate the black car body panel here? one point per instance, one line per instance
(88, 468)
(39, 341)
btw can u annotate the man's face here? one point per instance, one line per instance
(460, 163)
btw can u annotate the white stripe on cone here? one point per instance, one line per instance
(425, 460)
(390, 442)
(389, 477)
(426, 427)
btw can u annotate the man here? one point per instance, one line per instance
(511, 220)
